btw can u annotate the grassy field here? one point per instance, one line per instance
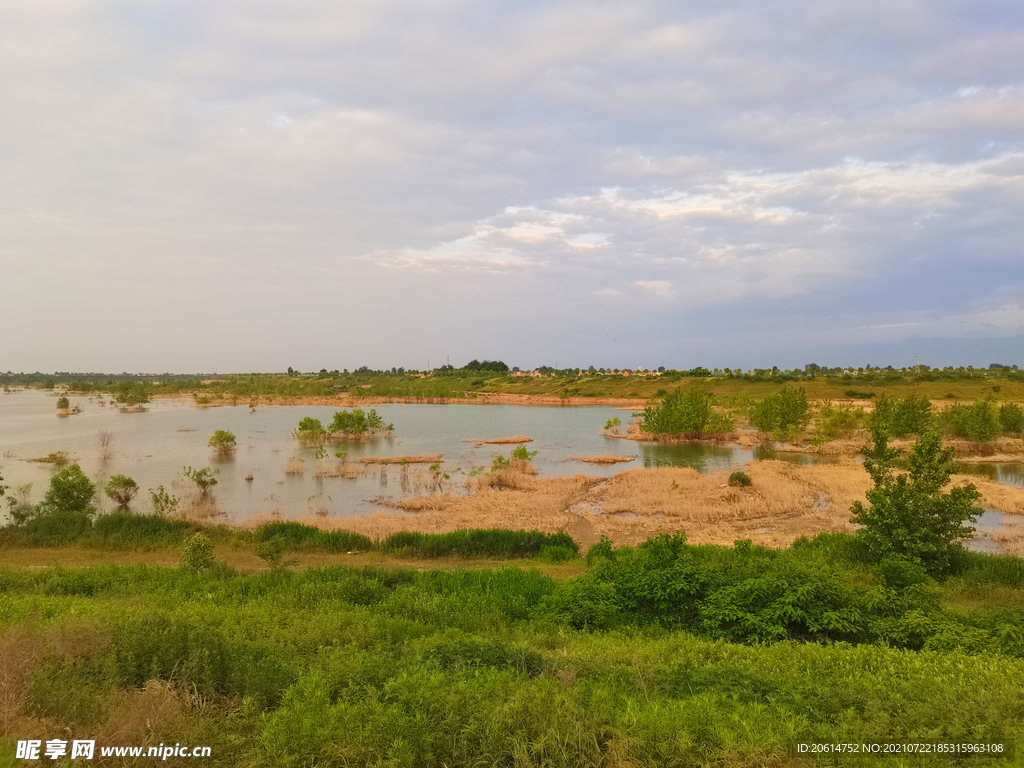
(408, 655)
(244, 388)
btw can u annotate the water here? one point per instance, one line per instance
(151, 448)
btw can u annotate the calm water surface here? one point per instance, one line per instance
(153, 446)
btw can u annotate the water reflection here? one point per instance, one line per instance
(1005, 474)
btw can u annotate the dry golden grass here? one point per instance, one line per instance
(515, 440)
(423, 458)
(605, 458)
(784, 502)
(294, 468)
(340, 469)
(200, 508)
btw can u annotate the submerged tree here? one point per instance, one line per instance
(223, 441)
(909, 515)
(121, 489)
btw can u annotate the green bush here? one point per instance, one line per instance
(203, 478)
(222, 440)
(198, 554)
(296, 537)
(124, 530)
(493, 542)
(783, 414)
(685, 412)
(1011, 419)
(63, 403)
(837, 422)
(978, 422)
(902, 417)
(739, 478)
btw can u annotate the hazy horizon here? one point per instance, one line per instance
(218, 187)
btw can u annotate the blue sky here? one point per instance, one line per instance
(240, 186)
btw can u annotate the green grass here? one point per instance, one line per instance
(398, 667)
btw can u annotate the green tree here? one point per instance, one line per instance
(121, 489)
(909, 515)
(223, 441)
(1011, 419)
(132, 393)
(63, 403)
(70, 492)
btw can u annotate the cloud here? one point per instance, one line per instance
(486, 178)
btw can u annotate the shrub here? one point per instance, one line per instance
(198, 554)
(739, 478)
(613, 423)
(554, 554)
(685, 412)
(222, 440)
(583, 603)
(297, 537)
(1011, 419)
(837, 422)
(70, 491)
(784, 413)
(63, 403)
(491, 542)
(978, 422)
(520, 452)
(121, 489)
(164, 504)
(124, 530)
(203, 478)
(909, 515)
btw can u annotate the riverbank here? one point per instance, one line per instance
(784, 502)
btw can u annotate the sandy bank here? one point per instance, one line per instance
(784, 502)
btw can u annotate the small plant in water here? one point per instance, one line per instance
(164, 504)
(121, 489)
(520, 452)
(63, 403)
(223, 441)
(203, 478)
(613, 423)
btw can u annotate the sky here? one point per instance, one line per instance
(216, 185)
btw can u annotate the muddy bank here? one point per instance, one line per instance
(784, 501)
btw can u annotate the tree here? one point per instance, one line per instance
(132, 393)
(63, 403)
(223, 441)
(121, 489)
(70, 491)
(909, 515)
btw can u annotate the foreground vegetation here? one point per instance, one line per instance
(667, 655)
(664, 654)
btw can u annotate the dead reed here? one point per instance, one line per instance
(187, 429)
(293, 468)
(423, 458)
(515, 440)
(604, 459)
